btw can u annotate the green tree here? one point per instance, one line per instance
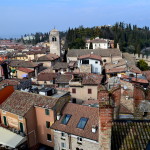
(142, 65)
(130, 49)
(78, 44)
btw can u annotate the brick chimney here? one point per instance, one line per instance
(116, 97)
(138, 95)
(106, 118)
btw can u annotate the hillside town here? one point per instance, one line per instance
(52, 98)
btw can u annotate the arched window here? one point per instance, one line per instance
(54, 39)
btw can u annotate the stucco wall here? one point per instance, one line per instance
(31, 127)
(71, 142)
(21, 73)
(82, 92)
(41, 125)
(95, 67)
(13, 120)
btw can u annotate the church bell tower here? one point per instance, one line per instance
(54, 42)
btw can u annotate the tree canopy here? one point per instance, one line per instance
(130, 38)
(142, 65)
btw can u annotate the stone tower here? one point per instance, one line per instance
(54, 42)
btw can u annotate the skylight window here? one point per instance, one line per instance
(82, 123)
(66, 119)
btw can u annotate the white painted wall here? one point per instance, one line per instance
(96, 67)
(98, 45)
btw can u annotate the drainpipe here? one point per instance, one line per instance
(69, 139)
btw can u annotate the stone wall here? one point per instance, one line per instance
(86, 68)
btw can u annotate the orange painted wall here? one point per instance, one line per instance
(3, 58)
(5, 93)
(41, 125)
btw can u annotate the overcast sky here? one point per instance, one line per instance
(18, 17)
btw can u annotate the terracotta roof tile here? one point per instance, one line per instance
(90, 56)
(91, 79)
(116, 70)
(60, 65)
(48, 57)
(12, 82)
(63, 78)
(133, 79)
(26, 70)
(124, 110)
(20, 102)
(147, 74)
(130, 135)
(46, 76)
(24, 64)
(78, 111)
(98, 52)
(97, 41)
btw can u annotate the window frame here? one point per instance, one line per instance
(83, 126)
(49, 135)
(63, 145)
(48, 124)
(64, 118)
(85, 61)
(74, 90)
(89, 91)
(47, 112)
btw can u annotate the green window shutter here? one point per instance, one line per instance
(21, 127)
(5, 121)
(46, 111)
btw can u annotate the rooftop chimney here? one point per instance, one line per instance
(105, 121)
(58, 116)
(94, 128)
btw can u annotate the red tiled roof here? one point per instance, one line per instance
(12, 82)
(97, 41)
(130, 135)
(128, 93)
(88, 78)
(46, 76)
(147, 74)
(91, 79)
(26, 70)
(133, 79)
(90, 56)
(116, 70)
(77, 111)
(124, 110)
(48, 57)
(63, 78)
(20, 102)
